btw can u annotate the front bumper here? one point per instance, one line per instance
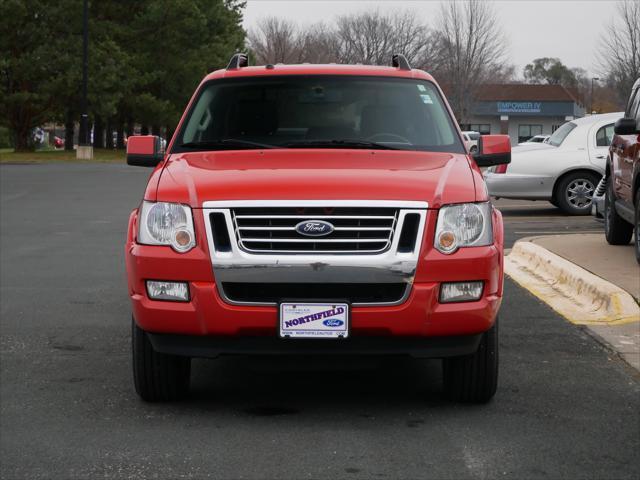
(421, 315)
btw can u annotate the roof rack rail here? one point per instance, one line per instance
(400, 61)
(239, 60)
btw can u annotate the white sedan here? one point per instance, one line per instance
(564, 171)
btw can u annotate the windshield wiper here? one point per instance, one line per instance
(341, 143)
(227, 142)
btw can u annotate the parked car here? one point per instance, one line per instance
(622, 194)
(564, 171)
(471, 140)
(536, 139)
(321, 209)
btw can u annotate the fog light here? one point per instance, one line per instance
(171, 291)
(460, 292)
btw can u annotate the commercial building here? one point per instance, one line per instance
(522, 110)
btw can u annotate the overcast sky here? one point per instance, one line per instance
(569, 30)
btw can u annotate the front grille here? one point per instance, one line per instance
(351, 292)
(273, 229)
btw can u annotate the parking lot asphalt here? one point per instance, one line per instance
(565, 407)
(531, 218)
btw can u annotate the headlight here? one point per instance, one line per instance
(463, 225)
(166, 224)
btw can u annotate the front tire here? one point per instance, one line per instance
(474, 378)
(617, 230)
(574, 194)
(158, 377)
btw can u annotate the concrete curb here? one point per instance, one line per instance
(580, 296)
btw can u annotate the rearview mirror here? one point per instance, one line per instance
(625, 126)
(493, 150)
(144, 150)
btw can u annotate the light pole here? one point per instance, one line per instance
(591, 97)
(85, 149)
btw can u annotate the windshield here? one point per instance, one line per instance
(560, 134)
(318, 112)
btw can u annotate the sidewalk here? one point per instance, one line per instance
(614, 264)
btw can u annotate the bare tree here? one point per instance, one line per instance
(371, 37)
(367, 38)
(619, 53)
(275, 40)
(319, 44)
(471, 49)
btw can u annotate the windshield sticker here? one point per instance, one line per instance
(422, 88)
(426, 99)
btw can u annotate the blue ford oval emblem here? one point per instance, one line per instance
(314, 228)
(333, 322)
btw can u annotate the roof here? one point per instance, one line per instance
(598, 117)
(314, 69)
(524, 92)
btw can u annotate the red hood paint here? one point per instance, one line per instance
(332, 174)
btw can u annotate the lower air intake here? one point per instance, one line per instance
(358, 293)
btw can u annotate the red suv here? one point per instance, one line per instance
(316, 209)
(622, 197)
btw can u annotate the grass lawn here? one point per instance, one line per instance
(57, 156)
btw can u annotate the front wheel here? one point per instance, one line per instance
(158, 377)
(574, 194)
(474, 378)
(617, 230)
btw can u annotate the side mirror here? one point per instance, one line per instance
(626, 126)
(493, 150)
(144, 150)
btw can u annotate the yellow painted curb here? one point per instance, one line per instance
(580, 296)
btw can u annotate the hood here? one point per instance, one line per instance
(316, 174)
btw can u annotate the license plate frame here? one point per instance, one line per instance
(290, 310)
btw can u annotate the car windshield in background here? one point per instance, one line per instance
(318, 112)
(560, 134)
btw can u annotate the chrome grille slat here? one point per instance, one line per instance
(312, 216)
(337, 229)
(319, 240)
(365, 231)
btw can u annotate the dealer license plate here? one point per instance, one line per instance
(314, 320)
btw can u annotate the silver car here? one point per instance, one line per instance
(565, 170)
